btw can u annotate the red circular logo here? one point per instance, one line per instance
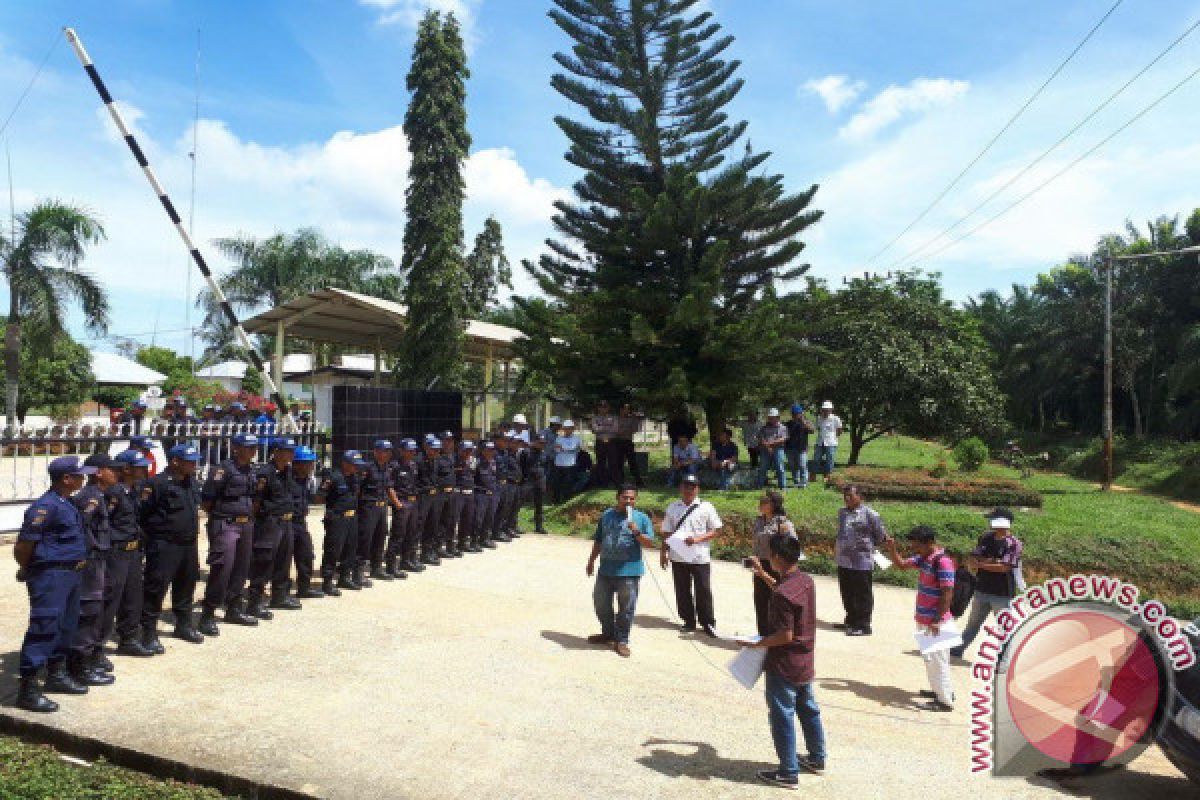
(1083, 687)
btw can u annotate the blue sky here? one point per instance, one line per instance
(880, 103)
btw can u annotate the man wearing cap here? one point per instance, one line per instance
(132, 417)
(272, 529)
(551, 431)
(750, 428)
(446, 484)
(229, 496)
(829, 428)
(86, 661)
(604, 427)
(505, 469)
(515, 490)
(170, 506)
(464, 498)
(145, 446)
(533, 467)
(339, 492)
(772, 439)
(796, 449)
(486, 487)
(51, 551)
(997, 562)
(123, 586)
(566, 453)
(429, 505)
(521, 426)
(689, 525)
(266, 419)
(303, 464)
(404, 543)
(376, 498)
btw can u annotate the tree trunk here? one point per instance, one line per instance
(856, 445)
(716, 417)
(1137, 413)
(12, 361)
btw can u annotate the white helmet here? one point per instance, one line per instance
(519, 419)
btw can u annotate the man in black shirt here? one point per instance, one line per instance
(85, 659)
(516, 486)
(506, 472)
(405, 539)
(446, 484)
(997, 561)
(339, 492)
(376, 498)
(429, 504)
(303, 464)
(272, 526)
(796, 448)
(229, 496)
(533, 468)
(464, 498)
(486, 486)
(123, 571)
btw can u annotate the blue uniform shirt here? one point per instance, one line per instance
(56, 525)
(620, 552)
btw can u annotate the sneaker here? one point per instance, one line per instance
(622, 650)
(777, 778)
(687, 627)
(810, 764)
(928, 694)
(957, 652)
(599, 638)
(710, 631)
(936, 705)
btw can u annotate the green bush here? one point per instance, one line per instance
(919, 486)
(971, 454)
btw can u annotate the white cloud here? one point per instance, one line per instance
(836, 91)
(409, 12)
(894, 102)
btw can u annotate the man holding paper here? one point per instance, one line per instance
(860, 532)
(688, 526)
(620, 536)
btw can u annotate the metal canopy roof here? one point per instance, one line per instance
(361, 321)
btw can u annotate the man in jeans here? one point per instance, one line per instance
(860, 532)
(997, 561)
(750, 438)
(829, 428)
(798, 429)
(789, 666)
(688, 526)
(772, 441)
(620, 536)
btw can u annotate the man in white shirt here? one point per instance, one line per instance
(521, 424)
(566, 451)
(829, 428)
(689, 524)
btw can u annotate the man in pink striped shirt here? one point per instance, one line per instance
(935, 591)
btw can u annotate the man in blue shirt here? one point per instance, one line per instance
(51, 551)
(620, 536)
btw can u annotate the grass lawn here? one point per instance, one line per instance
(36, 772)
(1140, 538)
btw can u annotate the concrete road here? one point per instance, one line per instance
(474, 680)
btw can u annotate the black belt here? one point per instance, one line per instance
(241, 519)
(132, 544)
(73, 566)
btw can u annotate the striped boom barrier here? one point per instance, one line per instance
(169, 207)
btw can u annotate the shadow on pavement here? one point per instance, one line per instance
(569, 641)
(651, 621)
(676, 759)
(1118, 783)
(887, 696)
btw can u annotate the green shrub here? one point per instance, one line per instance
(914, 485)
(971, 454)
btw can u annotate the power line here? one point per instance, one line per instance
(29, 86)
(1012, 120)
(1067, 168)
(908, 256)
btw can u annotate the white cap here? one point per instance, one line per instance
(772, 412)
(556, 420)
(519, 419)
(1001, 522)
(827, 405)
(568, 423)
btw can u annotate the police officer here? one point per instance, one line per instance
(464, 497)
(517, 482)
(534, 469)
(446, 484)
(302, 543)
(123, 570)
(339, 492)
(505, 473)
(169, 509)
(145, 446)
(487, 486)
(376, 498)
(429, 505)
(86, 661)
(272, 525)
(131, 418)
(51, 551)
(405, 537)
(229, 496)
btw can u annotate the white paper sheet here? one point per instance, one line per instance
(681, 550)
(747, 665)
(948, 637)
(881, 561)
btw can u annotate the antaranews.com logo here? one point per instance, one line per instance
(1075, 672)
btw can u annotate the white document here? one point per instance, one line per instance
(681, 550)
(747, 665)
(947, 638)
(881, 561)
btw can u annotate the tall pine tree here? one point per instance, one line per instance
(664, 281)
(436, 127)
(487, 268)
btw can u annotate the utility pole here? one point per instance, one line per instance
(1108, 372)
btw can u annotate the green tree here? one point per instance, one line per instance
(436, 127)
(56, 373)
(487, 269)
(252, 381)
(897, 356)
(663, 284)
(41, 264)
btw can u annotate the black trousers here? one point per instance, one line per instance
(281, 564)
(339, 552)
(448, 517)
(603, 468)
(87, 638)
(303, 553)
(402, 541)
(485, 516)
(270, 534)
(753, 451)
(429, 509)
(464, 514)
(858, 596)
(122, 594)
(699, 575)
(762, 600)
(537, 495)
(516, 500)
(372, 532)
(625, 453)
(174, 565)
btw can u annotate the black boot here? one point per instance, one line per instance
(30, 697)
(185, 630)
(412, 564)
(360, 577)
(488, 543)
(101, 662)
(381, 574)
(235, 614)
(283, 600)
(305, 591)
(82, 672)
(150, 641)
(396, 569)
(208, 623)
(346, 581)
(257, 606)
(328, 587)
(59, 682)
(133, 647)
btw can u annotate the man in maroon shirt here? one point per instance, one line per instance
(792, 620)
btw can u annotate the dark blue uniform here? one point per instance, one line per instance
(340, 492)
(487, 487)
(373, 515)
(406, 536)
(302, 543)
(230, 489)
(506, 468)
(515, 490)
(428, 508)
(169, 510)
(52, 579)
(272, 528)
(93, 507)
(123, 573)
(444, 480)
(533, 468)
(464, 500)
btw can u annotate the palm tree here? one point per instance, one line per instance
(41, 265)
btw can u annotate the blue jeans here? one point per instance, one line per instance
(726, 478)
(773, 460)
(615, 626)
(824, 456)
(983, 605)
(798, 465)
(785, 702)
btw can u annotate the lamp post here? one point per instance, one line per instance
(1109, 262)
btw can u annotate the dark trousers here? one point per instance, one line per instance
(464, 510)
(625, 454)
(753, 451)
(603, 468)
(372, 532)
(269, 534)
(340, 549)
(485, 514)
(448, 517)
(303, 553)
(405, 537)
(89, 628)
(537, 495)
(122, 594)
(53, 616)
(174, 565)
(858, 597)
(684, 576)
(762, 600)
(281, 566)
(514, 505)
(230, 549)
(429, 509)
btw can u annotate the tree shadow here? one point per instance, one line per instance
(9, 663)
(569, 641)
(1118, 783)
(886, 696)
(699, 760)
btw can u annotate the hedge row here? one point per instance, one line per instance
(918, 486)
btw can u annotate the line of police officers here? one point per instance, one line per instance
(99, 558)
